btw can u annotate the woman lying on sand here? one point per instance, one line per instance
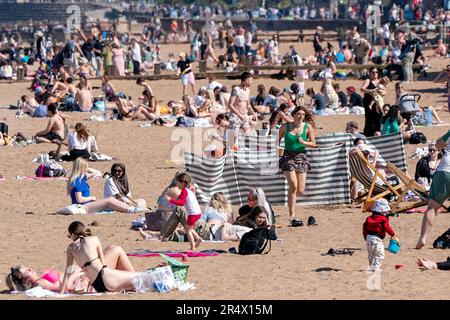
(104, 274)
(23, 278)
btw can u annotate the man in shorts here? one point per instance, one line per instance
(439, 189)
(185, 71)
(239, 105)
(54, 132)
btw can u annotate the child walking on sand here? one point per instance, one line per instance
(188, 200)
(374, 231)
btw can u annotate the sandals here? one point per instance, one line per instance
(296, 223)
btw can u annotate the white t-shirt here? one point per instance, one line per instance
(444, 165)
(230, 230)
(239, 40)
(110, 189)
(136, 50)
(75, 143)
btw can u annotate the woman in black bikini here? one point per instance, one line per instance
(373, 113)
(105, 271)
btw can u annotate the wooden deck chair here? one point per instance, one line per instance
(411, 185)
(358, 163)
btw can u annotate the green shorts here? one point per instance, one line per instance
(440, 187)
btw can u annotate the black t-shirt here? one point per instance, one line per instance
(230, 53)
(356, 100)
(342, 98)
(87, 48)
(98, 46)
(183, 65)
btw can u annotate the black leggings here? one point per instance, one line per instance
(444, 265)
(75, 153)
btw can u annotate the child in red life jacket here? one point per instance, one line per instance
(374, 230)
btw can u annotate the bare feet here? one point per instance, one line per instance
(425, 264)
(144, 235)
(198, 242)
(420, 244)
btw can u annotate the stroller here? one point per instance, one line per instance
(409, 103)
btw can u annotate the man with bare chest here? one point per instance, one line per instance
(239, 105)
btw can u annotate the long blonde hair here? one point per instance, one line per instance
(219, 202)
(79, 169)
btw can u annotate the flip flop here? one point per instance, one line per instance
(296, 223)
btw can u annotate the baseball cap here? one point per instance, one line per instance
(381, 206)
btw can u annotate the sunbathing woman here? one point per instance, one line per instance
(23, 278)
(80, 193)
(86, 251)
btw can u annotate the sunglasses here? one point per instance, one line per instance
(432, 150)
(115, 171)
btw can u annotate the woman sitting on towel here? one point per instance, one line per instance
(426, 167)
(23, 278)
(80, 193)
(256, 198)
(104, 274)
(80, 144)
(116, 185)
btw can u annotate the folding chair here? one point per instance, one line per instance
(358, 163)
(411, 185)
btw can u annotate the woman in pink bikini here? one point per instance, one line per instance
(23, 278)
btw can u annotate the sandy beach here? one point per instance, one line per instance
(32, 234)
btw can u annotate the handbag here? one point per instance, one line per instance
(157, 219)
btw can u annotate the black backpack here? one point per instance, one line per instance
(3, 128)
(256, 240)
(443, 241)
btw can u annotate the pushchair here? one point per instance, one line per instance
(409, 103)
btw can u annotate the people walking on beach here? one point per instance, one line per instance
(374, 230)
(242, 114)
(294, 164)
(439, 189)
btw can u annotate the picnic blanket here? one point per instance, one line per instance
(175, 254)
(256, 164)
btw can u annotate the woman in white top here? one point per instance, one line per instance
(80, 144)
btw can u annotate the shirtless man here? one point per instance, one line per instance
(239, 105)
(29, 104)
(83, 99)
(54, 132)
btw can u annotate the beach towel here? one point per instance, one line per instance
(41, 178)
(39, 292)
(99, 157)
(175, 254)
(79, 209)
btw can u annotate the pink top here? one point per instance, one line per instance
(51, 276)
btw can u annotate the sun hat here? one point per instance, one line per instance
(381, 206)
(364, 147)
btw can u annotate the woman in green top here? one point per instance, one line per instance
(391, 122)
(107, 59)
(297, 136)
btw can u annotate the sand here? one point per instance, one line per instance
(32, 234)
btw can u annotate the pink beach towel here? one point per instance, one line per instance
(173, 254)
